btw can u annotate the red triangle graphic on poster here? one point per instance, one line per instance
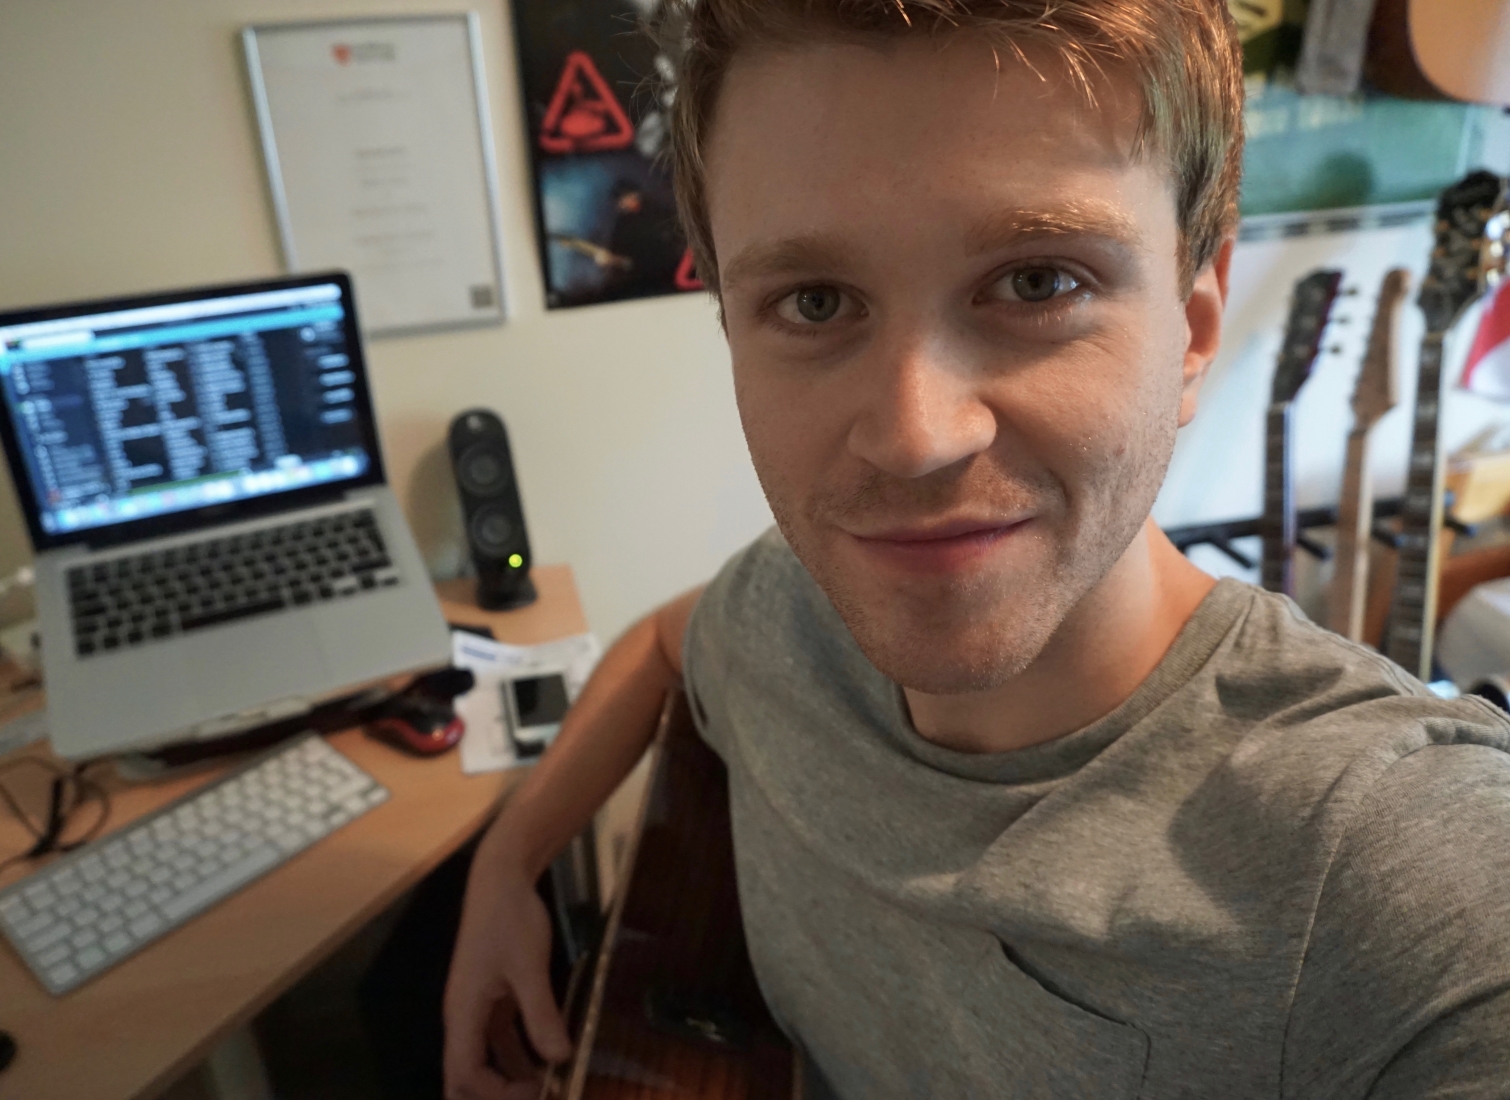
(686, 274)
(584, 116)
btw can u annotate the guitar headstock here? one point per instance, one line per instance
(1309, 312)
(1469, 255)
(1378, 387)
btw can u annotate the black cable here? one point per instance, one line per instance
(70, 790)
(84, 785)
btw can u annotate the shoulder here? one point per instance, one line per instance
(763, 605)
(762, 631)
(1408, 959)
(1295, 694)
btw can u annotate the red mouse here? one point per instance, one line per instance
(419, 725)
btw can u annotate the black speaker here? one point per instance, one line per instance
(490, 507)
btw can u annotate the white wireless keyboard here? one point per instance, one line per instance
(89, 910)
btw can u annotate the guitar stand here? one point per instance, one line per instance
(1220, 535)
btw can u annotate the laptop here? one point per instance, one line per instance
(216, 544)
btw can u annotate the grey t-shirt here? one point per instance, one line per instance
(1280, 869)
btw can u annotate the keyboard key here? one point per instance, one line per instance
(33, 925)
(244, 871)
(63, 976)
(89, 958)
(146, 925)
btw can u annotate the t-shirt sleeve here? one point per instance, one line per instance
(712, 634)
(1405, 986)
(700, 662)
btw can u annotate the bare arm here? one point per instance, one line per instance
(499, 970)
(605, 733)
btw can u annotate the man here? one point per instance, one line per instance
(1024, 804)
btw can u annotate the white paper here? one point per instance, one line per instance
(381, 164)
(486, 745)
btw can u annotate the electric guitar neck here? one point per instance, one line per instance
(1468, 257)
(1376, 392)
(1309, 313)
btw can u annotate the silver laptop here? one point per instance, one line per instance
(216, 543)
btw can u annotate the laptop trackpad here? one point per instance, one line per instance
(248, 665)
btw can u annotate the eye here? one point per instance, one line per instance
(812, 305)
(1038, 283)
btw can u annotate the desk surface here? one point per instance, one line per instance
(139, 1026)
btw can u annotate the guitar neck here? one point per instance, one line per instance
(1279, 504)
(1349, 594)
(1413, 612)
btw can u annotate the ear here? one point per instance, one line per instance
(1203, 322)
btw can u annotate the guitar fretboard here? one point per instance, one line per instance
(1413, 611)
(1354, 519)
(1279, 504)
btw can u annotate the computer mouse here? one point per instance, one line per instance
(424, 727)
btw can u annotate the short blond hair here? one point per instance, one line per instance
(1183, 54)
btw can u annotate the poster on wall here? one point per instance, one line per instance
(597, 128)
(380, 161)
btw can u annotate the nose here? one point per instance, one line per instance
(922, 412)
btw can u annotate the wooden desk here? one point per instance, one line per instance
(132, 1031)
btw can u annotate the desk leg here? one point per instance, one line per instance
(234, 1069)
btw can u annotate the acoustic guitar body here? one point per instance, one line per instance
(670, 1007)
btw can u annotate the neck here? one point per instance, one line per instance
(1115, 636)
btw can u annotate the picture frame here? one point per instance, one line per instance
(380, 161)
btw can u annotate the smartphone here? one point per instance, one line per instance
(535, 706)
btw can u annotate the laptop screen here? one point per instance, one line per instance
(133, 412)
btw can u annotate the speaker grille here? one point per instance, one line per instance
(482, 471)
(492, 531)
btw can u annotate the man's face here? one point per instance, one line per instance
(960, 347)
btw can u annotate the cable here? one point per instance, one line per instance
(70, 790)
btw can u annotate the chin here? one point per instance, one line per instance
(971, 636)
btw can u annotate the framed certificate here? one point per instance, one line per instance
(380, 159)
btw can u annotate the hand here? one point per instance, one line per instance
(500, 976)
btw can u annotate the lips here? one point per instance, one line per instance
(947, 547)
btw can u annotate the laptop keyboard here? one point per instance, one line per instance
(147, 597)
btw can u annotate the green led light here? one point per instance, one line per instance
(516, 560)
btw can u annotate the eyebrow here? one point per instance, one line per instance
(812, 252)
(1079, 219)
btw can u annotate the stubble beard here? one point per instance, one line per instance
(976, 631)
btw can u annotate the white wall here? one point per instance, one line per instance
(129, 161)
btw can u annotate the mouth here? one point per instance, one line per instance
(947, 547)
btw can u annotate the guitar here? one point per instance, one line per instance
(1426, 49)
(1376, 392)
(1469, 257)
(1309, 313)
(670, 1005)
